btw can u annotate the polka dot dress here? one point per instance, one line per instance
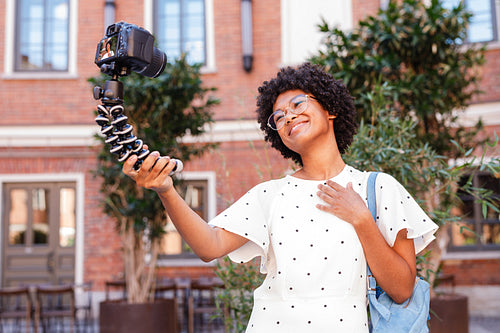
(315, 266)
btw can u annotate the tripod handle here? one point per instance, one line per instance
(178, 166)
(119, 135)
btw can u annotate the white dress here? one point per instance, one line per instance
(315, 266)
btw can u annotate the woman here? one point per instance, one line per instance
(312, 230)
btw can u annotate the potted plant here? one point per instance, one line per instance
(390, 144)
(162, 111)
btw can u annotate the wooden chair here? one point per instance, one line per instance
(115, 285)
(83, 306)
(166, 289)
(15, 307)
(202, 306)
(183, 285)
(54, 304)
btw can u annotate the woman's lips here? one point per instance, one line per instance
(296, 126)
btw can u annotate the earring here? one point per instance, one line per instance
(331, 117)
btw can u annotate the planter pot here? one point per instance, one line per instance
(121, 317)
(449, 313)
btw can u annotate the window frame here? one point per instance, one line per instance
(209, 178)
(45, 42)
(477, 221)
(182, 31)
(494, 22)
(495, 12)
(210, 64)
(11, 21)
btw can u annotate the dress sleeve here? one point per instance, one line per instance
(247, 218)
(397, 210)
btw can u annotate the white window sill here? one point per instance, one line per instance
(184, 262)
(471, 255)
(40, 76)
(493, 45)
(208, 70)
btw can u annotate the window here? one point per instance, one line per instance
(483, 25)
(195, 193)
(478, 232)
(179, 27)
(36, 210)
(42, 36)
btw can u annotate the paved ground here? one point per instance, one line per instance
(476, 325)
(484, 325)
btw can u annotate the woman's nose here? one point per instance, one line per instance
(289, 116)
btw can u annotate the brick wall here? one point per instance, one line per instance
(490, 77)
(185, 271)
(473, 272)
(363, 8)
(238, 165)
(49, 101)
(237, 88)
(69, 101)
(2, 33)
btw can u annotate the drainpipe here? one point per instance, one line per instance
(246, 34)
(109, 13)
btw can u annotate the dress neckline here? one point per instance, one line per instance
(339, 175)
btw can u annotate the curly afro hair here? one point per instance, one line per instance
(330, 93)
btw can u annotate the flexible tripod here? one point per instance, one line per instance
(115, 128)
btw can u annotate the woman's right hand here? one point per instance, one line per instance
(151, 175)
(207, 242)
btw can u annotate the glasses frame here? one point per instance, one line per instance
(288, 109)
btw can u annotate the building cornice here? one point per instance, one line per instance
(219, 131)
(84, 135)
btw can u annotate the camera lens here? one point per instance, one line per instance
(157, 65)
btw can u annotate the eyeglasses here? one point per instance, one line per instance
(297, 105)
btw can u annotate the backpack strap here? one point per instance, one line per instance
(370, 193)
(372, 206)
(372, 283)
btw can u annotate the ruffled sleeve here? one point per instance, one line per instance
(247, 218)
(397, 210)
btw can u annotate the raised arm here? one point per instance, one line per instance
(207, 242)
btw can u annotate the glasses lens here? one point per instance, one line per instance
(298, 104)
(276, 120)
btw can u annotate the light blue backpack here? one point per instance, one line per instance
(385, 314)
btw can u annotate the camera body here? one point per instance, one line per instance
(127, 47)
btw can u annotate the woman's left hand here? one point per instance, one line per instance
(343, 202)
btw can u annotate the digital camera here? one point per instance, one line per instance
(127, 47)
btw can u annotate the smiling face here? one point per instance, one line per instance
(328, 92)
(301, 130)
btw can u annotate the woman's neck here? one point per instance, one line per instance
(322, 168)
(321, 159)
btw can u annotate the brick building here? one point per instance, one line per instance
(50, 201)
